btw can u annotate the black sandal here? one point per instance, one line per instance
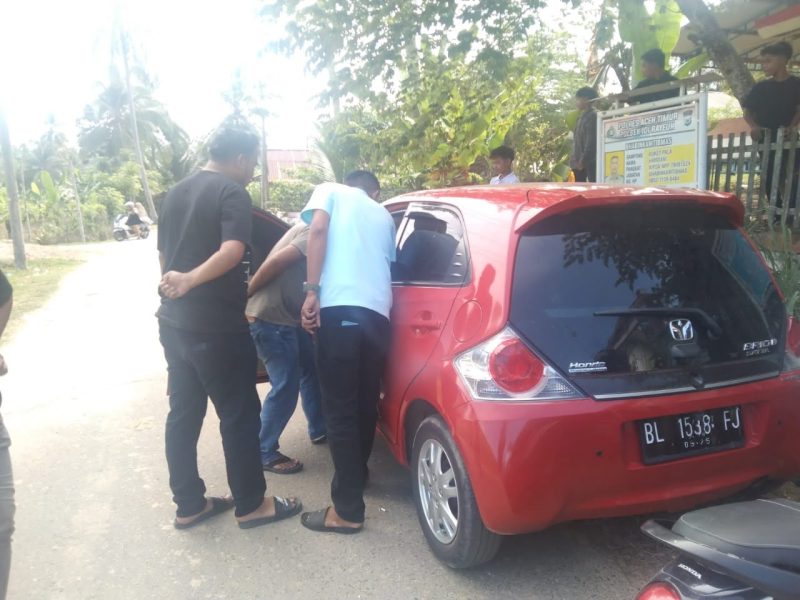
(218, 506)
(315, 521)
(282, 459)
(284, 508)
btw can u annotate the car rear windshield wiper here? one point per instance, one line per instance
(712, 326)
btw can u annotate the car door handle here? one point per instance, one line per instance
(425, 325)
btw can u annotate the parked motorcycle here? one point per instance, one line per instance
(122, 231)
(740, 551)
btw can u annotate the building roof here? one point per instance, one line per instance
(750, 25)
(282, 162)
(726, 127)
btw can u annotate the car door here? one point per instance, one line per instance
(432, 266)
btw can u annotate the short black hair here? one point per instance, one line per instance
(655, 57)
(586, 92)
(503, 152)
(780, 49)
(365, 180)
(230, 141)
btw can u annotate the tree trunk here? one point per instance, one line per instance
(719, 48)
(20, 261)
(151, 208)
(77, 202)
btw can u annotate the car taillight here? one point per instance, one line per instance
(504, 368)
(515, 368)
(659, 591)
(792, 355)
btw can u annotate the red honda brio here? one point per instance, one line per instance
(567, 352)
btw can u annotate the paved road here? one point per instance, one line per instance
(84, 402)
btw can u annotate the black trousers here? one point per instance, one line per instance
(782, 176)
(588, 174)
(222, 367)
(352, 345)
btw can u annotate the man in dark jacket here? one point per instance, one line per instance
(654, 63)
(583, 160)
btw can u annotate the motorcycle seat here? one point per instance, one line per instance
(763, 531)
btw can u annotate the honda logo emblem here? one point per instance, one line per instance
(682, 330)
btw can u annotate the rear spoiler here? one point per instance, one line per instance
(727, 204)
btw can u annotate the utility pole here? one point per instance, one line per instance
(20, 262)
(134, 124)
(262, 112)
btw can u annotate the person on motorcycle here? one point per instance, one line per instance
(134, 221)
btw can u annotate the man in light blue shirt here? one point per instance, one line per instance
(351, 247)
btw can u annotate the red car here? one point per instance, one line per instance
(570, 352)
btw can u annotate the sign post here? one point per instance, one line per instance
(660, 144)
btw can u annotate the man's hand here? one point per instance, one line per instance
(309, 316)
(176, 285)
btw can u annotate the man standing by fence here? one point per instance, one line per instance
(770, 105)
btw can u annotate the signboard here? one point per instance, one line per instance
(660, 144)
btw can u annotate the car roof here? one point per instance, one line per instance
(533, 201)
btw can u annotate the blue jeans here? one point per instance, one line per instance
(288, 355)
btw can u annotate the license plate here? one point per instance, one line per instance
(681, 436)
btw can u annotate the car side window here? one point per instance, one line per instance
(431, 249)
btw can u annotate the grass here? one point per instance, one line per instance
(34, 286)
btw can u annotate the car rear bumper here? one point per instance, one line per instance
(536, 464)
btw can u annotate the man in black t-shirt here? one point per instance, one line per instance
(203, 235)
(772, 104)
(654, 64)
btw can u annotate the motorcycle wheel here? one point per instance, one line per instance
(120, 236)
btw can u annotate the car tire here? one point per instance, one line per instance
(446, 506)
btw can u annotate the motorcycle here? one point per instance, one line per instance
(122, 231)
(740, 551)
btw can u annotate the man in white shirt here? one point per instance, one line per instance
(351, 247)
(502, 159)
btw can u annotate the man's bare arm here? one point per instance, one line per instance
(317, 248)
(272, 267)
(317, 245)
(796, 120)
(175, 284)
(755, 128)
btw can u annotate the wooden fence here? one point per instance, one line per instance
(748, 167)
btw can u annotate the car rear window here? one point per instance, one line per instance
(641, 300)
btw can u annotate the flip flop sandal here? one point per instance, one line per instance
(284, 509)
(315, 521)
(218, 506)
(282, 459)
